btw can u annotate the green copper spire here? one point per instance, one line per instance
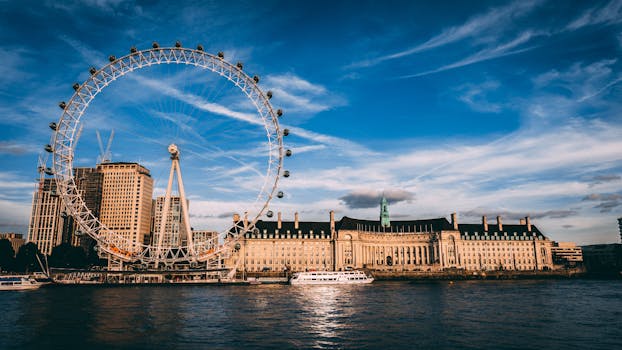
(384, 213)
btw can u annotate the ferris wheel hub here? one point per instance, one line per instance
(173, 150)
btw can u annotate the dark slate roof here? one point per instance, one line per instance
(470, 228)
(438, 224)
(304, 226)
(493, 230)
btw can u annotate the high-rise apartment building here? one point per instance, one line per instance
(203, 236)
(126, 202)
(46, 222)
(175, 231)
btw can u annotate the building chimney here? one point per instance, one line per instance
(245, 220)
(500, 224)
(528, 223)
(278, 222)
(485, 223)
(236, 218)
(454, 221)
(523, 222)
(296, 220)
(332, 222)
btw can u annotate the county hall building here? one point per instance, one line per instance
(385, 245)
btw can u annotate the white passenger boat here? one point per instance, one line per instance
(18, 283)
(331, 277)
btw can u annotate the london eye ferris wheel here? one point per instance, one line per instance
(193, 122)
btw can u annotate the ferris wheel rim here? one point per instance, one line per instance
(85, 93)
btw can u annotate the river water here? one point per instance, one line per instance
(539, 314)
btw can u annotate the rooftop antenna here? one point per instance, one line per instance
(104, 154)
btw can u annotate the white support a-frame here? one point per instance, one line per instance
(175, 170)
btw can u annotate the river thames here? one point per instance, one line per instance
(571, 314)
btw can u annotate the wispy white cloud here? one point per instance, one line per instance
(18, 148)
(342, 145)
(582, 84)
(506, 49)
(601, 90)
(475, 96)
(607, 14)
(14, 215)
(9, 180)
(13, 65)
(485, 24)
(198, 101)
(88, 54)
(297, 95)
(309, 148)
(294, 83)
(578, 73)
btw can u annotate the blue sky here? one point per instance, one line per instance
(487, 108)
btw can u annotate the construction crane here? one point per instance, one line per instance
(105, 156)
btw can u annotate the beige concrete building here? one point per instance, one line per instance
(417, 245)
(45, 228)
(286, 245)
(567, 254)
(175, 231)
(437, 244)
(126, 201)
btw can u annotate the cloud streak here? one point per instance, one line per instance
(297, 95)
(506, 49)
(608, 14)
(487, 23)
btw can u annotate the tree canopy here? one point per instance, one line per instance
(67, 256)
(26, 258)
(7, 255)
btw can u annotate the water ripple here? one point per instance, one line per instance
(388, 315)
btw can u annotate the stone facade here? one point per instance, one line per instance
(437, 244)
(281, 246)
(417, 245)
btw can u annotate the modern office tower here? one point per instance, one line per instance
(174, 231)
(89, 183)
(126, 202)
(47, 217)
